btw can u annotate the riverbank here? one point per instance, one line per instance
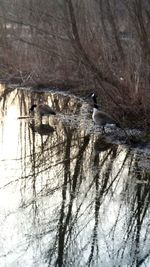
(135, 136)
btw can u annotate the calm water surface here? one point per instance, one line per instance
(68, 197)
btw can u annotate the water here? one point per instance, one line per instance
(68, 197)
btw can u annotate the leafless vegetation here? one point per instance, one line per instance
(101, 45)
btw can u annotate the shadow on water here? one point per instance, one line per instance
(68, 196)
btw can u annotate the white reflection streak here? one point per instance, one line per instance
(9, 139)
(9, 147)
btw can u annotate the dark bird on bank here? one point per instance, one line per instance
(102, 118)
(41, 110)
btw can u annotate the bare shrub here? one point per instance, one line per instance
(99, 45)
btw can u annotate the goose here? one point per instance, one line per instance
(41, 110)
(102, 118)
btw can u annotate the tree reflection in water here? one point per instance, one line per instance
(72, 199)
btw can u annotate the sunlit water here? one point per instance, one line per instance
(68, 197)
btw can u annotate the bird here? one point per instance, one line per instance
(102, 118)
(41, 110)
